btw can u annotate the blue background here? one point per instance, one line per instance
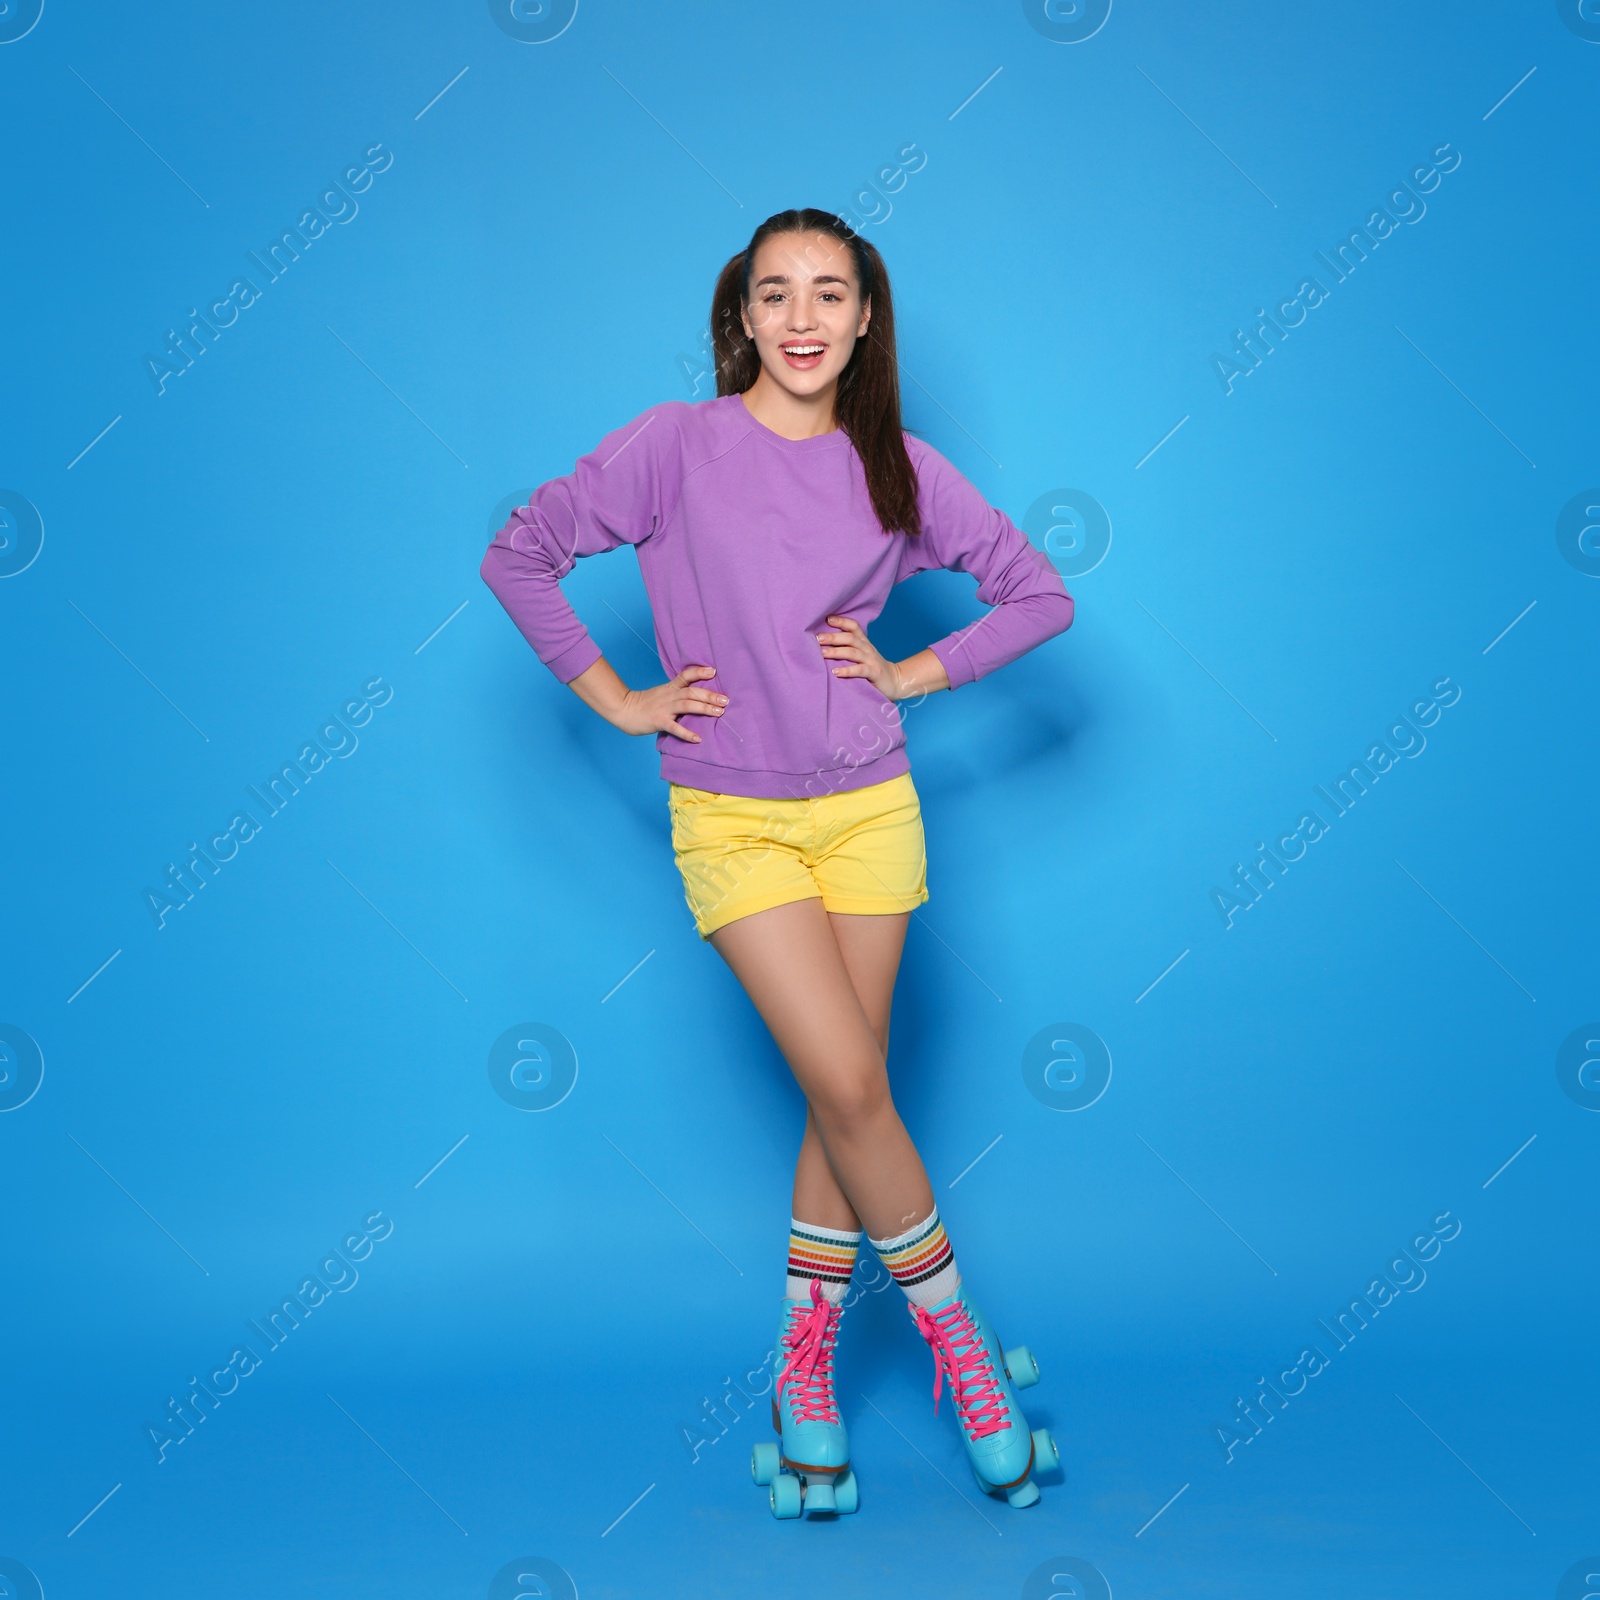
(300, 511)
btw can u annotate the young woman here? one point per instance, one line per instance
(770, 524)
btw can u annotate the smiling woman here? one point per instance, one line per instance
(770, 525)
(798, 301)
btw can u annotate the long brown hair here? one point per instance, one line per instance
(868, 400)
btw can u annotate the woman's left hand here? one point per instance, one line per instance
(859, 658)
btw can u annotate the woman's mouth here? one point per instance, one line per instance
(804, 355)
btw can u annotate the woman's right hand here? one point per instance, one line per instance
(656, 710)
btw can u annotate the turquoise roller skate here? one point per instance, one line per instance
(809, 1470)
(983, 1385)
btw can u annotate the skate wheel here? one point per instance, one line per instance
(819, 1500)
(784, 1496)
(846, 1497)
(1046, 1458)
(764, 1463)
(1021, 1368)
(1025, 1494)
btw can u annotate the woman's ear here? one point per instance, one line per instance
(866, 317)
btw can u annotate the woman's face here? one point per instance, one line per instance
(805, 312)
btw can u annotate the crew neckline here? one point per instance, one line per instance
(817, 441)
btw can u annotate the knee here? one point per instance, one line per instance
(856, 1094)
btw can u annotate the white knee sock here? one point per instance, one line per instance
(921, 1261)
(826, 1255)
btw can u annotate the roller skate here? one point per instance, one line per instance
(983, 1385)
(809, 1469)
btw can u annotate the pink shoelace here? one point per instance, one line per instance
(958, 1354)
(808, 1369)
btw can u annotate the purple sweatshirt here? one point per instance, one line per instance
(748, 542)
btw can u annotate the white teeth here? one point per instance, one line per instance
(803, 349)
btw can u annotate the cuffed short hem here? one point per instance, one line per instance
(877, 905)
(709, 922)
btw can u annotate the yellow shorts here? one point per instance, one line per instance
(860, 851)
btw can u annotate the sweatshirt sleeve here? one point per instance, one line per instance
(963, 533)
(620, 493)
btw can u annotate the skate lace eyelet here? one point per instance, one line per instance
(806, 1373)
(959, 1356)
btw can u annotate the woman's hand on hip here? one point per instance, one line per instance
(657, 710)
(858, 657)
(648, 710)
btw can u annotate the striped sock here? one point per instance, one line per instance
(825, 1254)
(921, 1261)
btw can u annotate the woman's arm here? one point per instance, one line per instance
(619, 493)
(962, 532)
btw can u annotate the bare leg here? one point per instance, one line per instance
(799, 968)
(817, 1195)
(871, 947)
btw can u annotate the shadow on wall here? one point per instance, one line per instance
(1022, 717)
(626, 766)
